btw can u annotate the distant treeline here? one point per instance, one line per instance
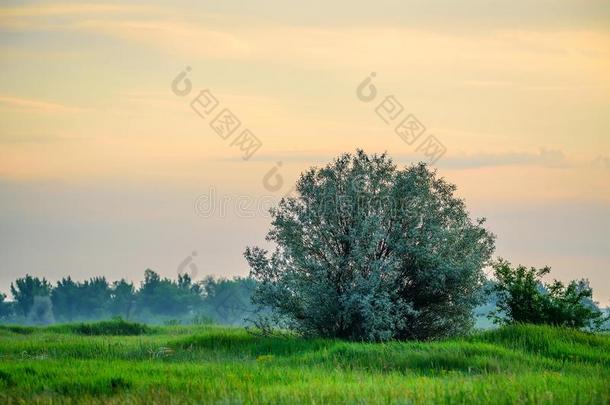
(157, 300)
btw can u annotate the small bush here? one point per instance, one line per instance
(119, 383)
(115, 327)
(524, 298)
(201, 319)
(6, 379)
(172, 322)
(21, 330)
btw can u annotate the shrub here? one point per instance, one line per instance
(20, 330)
(114, 327)
(524, 298)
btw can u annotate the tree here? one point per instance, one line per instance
(166, 297)
(41, 312)
(25, 289)
(6, 308)
(65, 299)
(524, 298)
(366, 251)
(122, 297)
(190, 293)
(228, 301)
(94, 298)
(75, 300)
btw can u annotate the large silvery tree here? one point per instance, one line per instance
(366, 251)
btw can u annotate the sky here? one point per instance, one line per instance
(108, 166)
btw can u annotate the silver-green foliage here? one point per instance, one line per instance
(366, 251)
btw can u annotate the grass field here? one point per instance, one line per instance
(193, 364)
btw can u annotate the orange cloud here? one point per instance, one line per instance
(35, 106)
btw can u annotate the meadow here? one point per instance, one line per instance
(118, 362)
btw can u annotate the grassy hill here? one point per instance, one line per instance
(112, 362)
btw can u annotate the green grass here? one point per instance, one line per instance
(194, 364)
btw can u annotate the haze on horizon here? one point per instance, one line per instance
(101, 164)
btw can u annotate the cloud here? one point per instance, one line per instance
(42, 10)
(544, 158)
(386, 44)
(52, 17)
(433, 14)
(36, 138)
(289, 156)
(601, 162)
(171, 36)
(35, 106)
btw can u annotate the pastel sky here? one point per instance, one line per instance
(102, 165)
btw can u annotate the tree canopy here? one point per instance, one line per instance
(367, 251)
(157, 300)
